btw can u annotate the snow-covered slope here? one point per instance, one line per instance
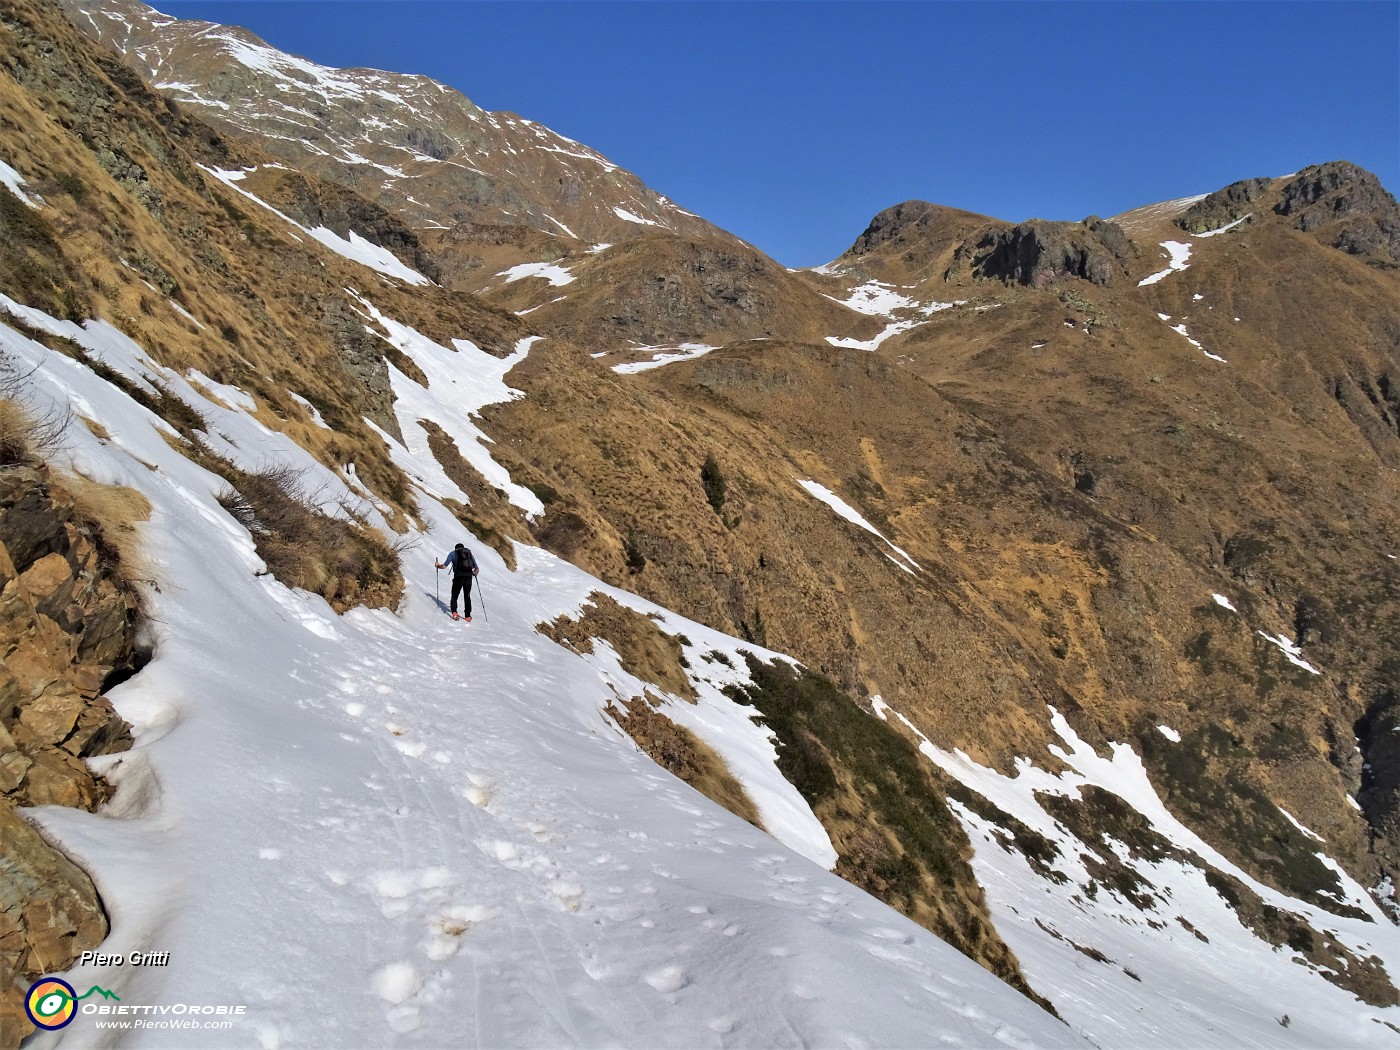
(392, 828)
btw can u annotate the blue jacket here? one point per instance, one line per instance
(460, 567)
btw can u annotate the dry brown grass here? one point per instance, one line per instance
(115, 511)
(345, 561)
(643, 649)
(682, 753)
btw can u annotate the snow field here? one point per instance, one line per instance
(1158, 984)
(556, 275)
(354, 247)
(389, 828)
(664, 355)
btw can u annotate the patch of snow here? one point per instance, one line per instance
(185, 313)
(875, 299)
(316, 417)
(1306, 831)
(664, 355)
(873, 344)
(229, 395)
(1224, 602)
(1180, 254)
(623, 213)
(556, 222)
(1170, 733)
(1291, 652)
(601, 246)
(556, 275)
(354, 247)
(461, 382)
(845, 510)
(15, 182)
(1180, 329)
(1224, 229)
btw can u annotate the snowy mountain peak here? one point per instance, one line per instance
(419, 148)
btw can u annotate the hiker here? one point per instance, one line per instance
(463, 569)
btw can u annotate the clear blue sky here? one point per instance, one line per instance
(792, 123)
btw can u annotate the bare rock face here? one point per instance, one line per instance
(1040, 254)
(1348, 207)
(65, 625)
(49, 914)
(1223, 207)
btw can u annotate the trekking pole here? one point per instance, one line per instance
(437, 585)
(481, 597)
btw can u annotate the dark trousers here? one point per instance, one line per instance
(462, 585)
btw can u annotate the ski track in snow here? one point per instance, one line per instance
(386, 828)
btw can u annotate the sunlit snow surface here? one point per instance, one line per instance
(392, 829)
(14, 181)
(354, 247)
(556, 275)
(664, 355)
(852, 515)
(1180, 254)
(1158, 985)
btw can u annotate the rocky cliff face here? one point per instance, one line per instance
(1039, 254)
(67, 626)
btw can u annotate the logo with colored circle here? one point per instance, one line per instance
(51, 1003)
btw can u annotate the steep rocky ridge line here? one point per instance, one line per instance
(418, 148)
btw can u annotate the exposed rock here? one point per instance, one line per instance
(1348, 206)
(362, 354)
(1039, 253)
(66, 623)
(49, 914)
(325, 204)
(1223, 207)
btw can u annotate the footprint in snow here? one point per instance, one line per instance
(667, 979)
(447, 927)
(568, 894)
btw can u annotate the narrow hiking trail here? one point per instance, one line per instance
(393, 829)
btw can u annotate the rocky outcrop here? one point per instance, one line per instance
(1223, 207)
(66, 624)
(340, 210)
(1347, 207)
(50, 913)
(1040, 254)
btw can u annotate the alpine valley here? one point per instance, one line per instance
(988, 638)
